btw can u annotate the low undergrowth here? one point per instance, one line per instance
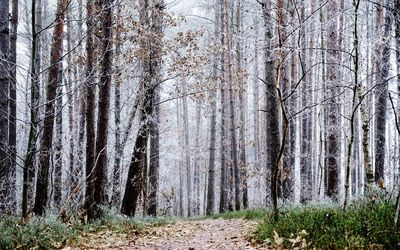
(50, 233)
(363, 225)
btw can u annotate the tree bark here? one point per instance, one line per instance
(54, 80)
(381, 99)
(12, 122)
(213, 118)
(273, 124)
(58, 147)
(6, 170)
(90, 106)
(100, 166)
(332, 153)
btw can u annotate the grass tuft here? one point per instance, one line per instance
(362, 225)
(50, 233)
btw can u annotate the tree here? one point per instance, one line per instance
(333, 107)
(6, 170)
(100, 165)
(150, 63)
(381, 98)
(12, 120)
(90, 109)
(223, 201)
(54, 80)
(213, 118)
(272, 75)
(154, 164)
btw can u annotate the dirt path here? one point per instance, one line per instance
(202, 234)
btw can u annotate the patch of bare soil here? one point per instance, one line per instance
(204, 234)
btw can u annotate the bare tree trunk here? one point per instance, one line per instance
(305, 150)
(273, 124)
(54, 80)
(213, 105)
(232, 121)
(223, 201)
(6, 170)
(197, 164)
(58, 147)
(154, 164)
(116, 177)
(90, 106)
(100, 166)
(256, 98)
(333, 107)
(28, 174)
(186, 148)
(381, 100)
(12, 122)
(73, 171)
(242, 106)
(355, 55)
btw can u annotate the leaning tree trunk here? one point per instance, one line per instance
(54, 80)
(149, 82)
(5, 166)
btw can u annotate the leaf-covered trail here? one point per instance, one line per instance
(201, 234)
(205, 234)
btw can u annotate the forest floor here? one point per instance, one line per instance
(187, 234)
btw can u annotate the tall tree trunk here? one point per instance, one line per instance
(6, 170)
(381, 99)
(154, 163)
(332, 153)
(116, 177)
(232, 119)
(149, 82)
(355, 56)
(54, 80)
(242, 106)
(197, 164)
(305, 149)
(223, 201)
(256, 97)
(58, 148)
(28, 171)
(12, 121)
(213, 123)
(90, 106)
(273, 124)
(100, 166)
(186, 148)
(73, 171)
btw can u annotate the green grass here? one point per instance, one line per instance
(50, 233)
(362, 225)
